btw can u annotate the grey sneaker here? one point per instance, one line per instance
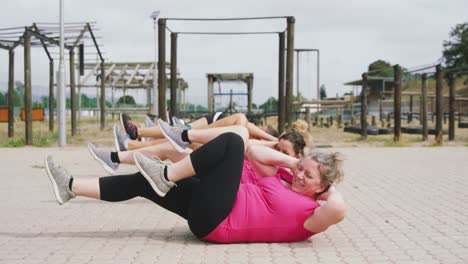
(179, 123)
(104, 158)
(60, 180)
(149, 122)
(120, 139)
(174, 135)
(153, 171)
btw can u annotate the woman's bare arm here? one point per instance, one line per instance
(266, 161)
(328, 214)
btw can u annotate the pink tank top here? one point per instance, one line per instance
(265, 210)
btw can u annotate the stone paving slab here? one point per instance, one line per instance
(405, 205)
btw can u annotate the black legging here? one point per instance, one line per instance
(205, 200)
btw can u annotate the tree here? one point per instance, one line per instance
(19, 94)
(127, 99)
(455, 52)
(380, 68)
(3, 99)
(271, 105)
(323, 92)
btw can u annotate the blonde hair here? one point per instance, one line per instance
(331, 166)
(301, 127)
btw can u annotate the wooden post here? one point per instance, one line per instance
(316, 119)
(381, 110)
(73, 93)
(424, 106)
(308, 119)
(281, 99)
(210, 93)
(410, 114)
(174, 87)
(51, 96)
(397, 102)
(27, 87)
(438, 128)
(374, 123)
(11, 93)
(364, 106)
(249, 94)
(289, 69)
(339, 121)
(103, 95)
(162, 67)
(321, 121)
(331, 120)
(451, 107)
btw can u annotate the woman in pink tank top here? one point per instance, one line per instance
(224, 198)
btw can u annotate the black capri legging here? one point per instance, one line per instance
(204, 200)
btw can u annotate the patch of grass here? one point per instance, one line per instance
(393, 144)
(13, 143)
(323, 146)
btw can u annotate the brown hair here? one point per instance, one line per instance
(296, 139)
(298, 136)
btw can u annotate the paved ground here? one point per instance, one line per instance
(406, 205)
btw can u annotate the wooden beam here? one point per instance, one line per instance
(129, 81)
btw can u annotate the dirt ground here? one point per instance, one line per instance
(89, 131)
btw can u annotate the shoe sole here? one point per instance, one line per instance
(54, 184)
(116, 141)
(148, 178)
(176, 146)
(103, 164)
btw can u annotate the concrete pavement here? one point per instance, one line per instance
(405, 205)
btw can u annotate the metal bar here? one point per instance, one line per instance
(161, 68)
(452, 107)
(421, 69)
(227, 33)
(11, 93)
(42, 37)
(67, 23)
(77, 41)
(297, 76)
(364, 106)
(397, 102)
(281, 99)
(424, 106)
(72, 93)
(103, 96)
(224, 19)
(95, 43)
(44, 45)
(51, 95)
(27, 87)
(61, 100)
(174, 74)
(439, 115)
(12, 28)
(289, 69)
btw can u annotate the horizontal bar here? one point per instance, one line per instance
(228, 33)
(226, 19)
(230, 94)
